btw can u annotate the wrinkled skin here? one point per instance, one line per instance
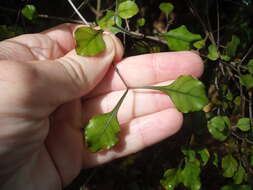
(48, 93)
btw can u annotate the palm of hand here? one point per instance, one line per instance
(54, 146)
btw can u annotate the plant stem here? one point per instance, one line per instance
(78, 13)
(120, 76)
(116, 108)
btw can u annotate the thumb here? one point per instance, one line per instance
(73, 76)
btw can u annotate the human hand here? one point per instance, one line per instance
(48, 93)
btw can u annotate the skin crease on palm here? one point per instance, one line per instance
(48, 93)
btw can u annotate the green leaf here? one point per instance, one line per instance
(225, 58)
(180, 38)
(187, 93)
(141, 22)
(204, 155)
(243, 124)
(199, 44)
(190, 175)
(127, 9)
(239, 175)
(212, 53)
(29, 12)
(167, 8)
(108, 20)
(89, 42)
(190, 154)
(215, 159)
(229, 165)
(236, 187)
(218, 127)
(232, 46)
(170, 179)
(101, 131)
(247, 81)
(250, 66)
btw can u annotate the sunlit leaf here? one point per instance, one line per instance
(101, 131)
(190, 175)
(232, 46)
(218, 127)
(199, 44)
(180, 38)
(212, 53)
(243, 124)
(127, 9)
(29, 12)
(166, 7)
(239, 175)
(89, 42)
(170, 179)
(229, 165)
(187, 93)
(236, 187)
(204, 155)
(247, 81)
(250, 66)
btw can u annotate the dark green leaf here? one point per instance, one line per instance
(180, 38)
(212, 53)
(101, 131)
(236, 187)
(9, 31)
(243, 124)
(170, 179)
(127, 9)
(218, 127)
(247, 81)
(190, 175)
(190, 154)
(229, 165)
(89, 42)
(250, 66)
(215, 159)
(204, 154)
(232, 46)
(29, 12)
(239, 175)
(167, 8)
(187, 93)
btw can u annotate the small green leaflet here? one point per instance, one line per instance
(187, 93)
(243, 124)
(101, 131)
(170, 179)
(232, 46)
(215, 159)
(204, 155)
(250, 66)
(190, 175)
(108, 20)
(127, 9)
(247, 81)
(199, 44)
(141, 22)
(236, 187)
(239, 175)
(212, 53)
(29, 12)
(229, 165)
(89, 42)
(218, 127)
(180, 39)
(167, 8)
